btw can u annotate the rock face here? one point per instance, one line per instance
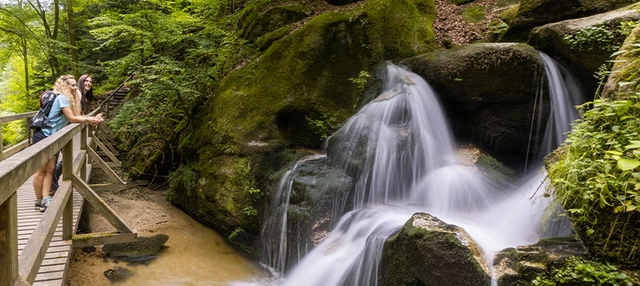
(487, 90)
(585, 44)
(520, 265)
(314, 186)
(624, 68)
(285, 99)
(427, 251)
(533, 13)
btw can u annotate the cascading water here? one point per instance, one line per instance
(400, 153)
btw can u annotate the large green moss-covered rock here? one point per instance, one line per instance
(296, 90)
(488, 91)
(585, 44)
(427, 251)
(533, 13)
(259, 23)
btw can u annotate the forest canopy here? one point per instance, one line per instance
(177, 50)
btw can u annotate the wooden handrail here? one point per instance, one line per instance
(20, 145)
(14, 117)
(14, 172)
(17, 169)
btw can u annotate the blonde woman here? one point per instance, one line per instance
(65, 109)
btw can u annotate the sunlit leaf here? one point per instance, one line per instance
(634, 144)
(628, 164)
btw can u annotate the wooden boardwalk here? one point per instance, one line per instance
(54, 265)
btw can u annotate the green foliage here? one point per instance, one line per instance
(184, 178)
(577, 271)
(359, 81)
(473, 14)
(597, 177)
(626, 27)
(593, 36)
(242, 168)
(498, 27)
(600, 167)
(325, 125)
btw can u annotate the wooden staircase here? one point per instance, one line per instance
(115, 101)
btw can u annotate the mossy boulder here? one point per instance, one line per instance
(284, 99)
(488, 91)
(256, 23)
(585, 44)
(520, 265)
(533, 13)
(427, 251)
(622, 82)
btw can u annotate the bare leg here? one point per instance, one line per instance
(46, 182)
(42, 178)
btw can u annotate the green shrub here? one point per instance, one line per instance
(577, 272)
(597, 178)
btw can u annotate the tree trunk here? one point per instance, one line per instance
(72, 39)
(25, 59)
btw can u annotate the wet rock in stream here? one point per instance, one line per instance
(144, 248)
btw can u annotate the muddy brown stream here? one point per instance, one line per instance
(193, 255)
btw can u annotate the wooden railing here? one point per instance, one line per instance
(17, 169)
(20, 146)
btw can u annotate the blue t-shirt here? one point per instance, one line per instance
(56, 117)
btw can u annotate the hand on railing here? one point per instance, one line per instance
(95, 120)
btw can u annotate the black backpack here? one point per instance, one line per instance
(41, 119)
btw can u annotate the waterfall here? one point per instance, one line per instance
(400, 153)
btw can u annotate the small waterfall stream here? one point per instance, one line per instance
(400, 152)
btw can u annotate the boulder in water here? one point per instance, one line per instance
(142, 248)
(427, 251)
(488, 91)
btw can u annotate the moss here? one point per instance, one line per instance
(261, 109)
(473, 14)
(265, 41)
(509, 14)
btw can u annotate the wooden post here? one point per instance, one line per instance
(85, 215)
(67, 170)
(9, 240)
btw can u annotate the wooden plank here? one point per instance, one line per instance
(100, 136)
(92, 239)
(108, 187)
(50, 276)
(105, 150)
(34, 251)
(55, 261)
(14, 149)
(98, 203)
(104, 167)
(56, 282)
(52, 268)
(14, 117)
